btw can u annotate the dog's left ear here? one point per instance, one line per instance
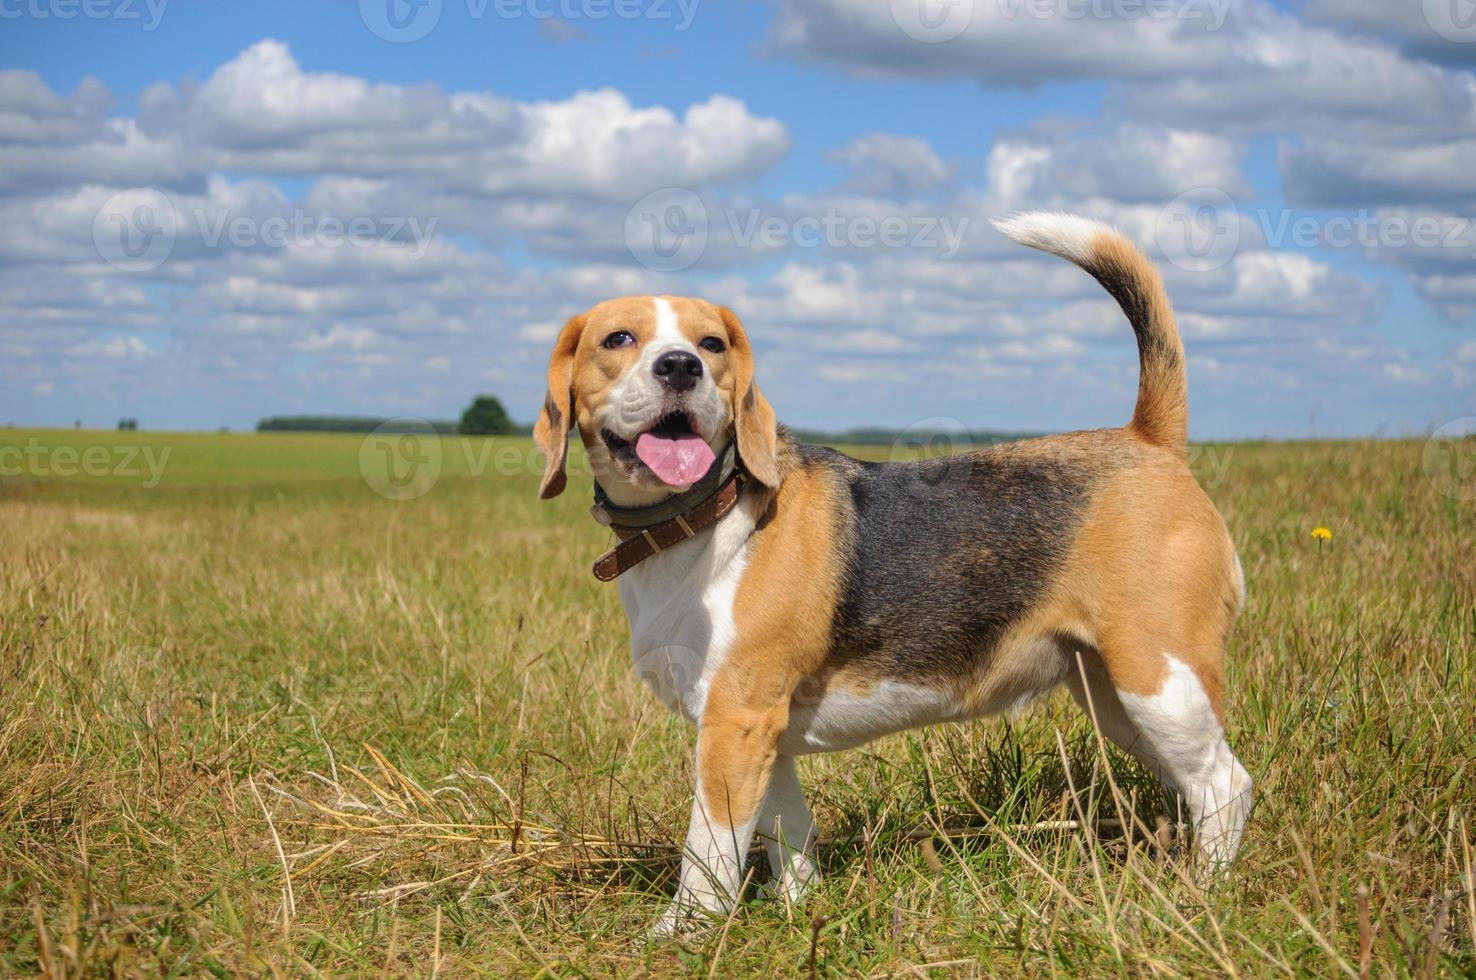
(551, 431)
(753, 416)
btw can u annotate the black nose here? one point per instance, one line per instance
(678, 369)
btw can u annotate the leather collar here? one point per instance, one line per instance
(676, 505)
(638, 544)
(652, 530)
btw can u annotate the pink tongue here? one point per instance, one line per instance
(679, 462)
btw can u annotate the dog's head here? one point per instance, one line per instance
(657, 386)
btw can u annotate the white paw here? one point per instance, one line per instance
(680, 919)
(792, 886)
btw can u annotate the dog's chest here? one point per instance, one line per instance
(680, 607)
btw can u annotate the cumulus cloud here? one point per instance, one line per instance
(996, 43)
(1426, 29)
(486, 220)
(1057, 160)
(883, 163)
(1335, 173)
(262, 113)
(1246, 66)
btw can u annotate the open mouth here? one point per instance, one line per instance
(672, 449)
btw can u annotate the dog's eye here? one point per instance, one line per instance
(712, 344)
(619, 338)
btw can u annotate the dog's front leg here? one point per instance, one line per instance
(737, 744)
(788, 832)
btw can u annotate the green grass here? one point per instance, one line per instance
(423, 709)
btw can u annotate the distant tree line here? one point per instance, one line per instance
(349, 423)
(485, 416)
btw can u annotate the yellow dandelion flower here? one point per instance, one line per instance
(1322, 534)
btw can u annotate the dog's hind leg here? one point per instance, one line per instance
(788, 832)
(1175, 731)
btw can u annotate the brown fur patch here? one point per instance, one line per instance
(782, 615)
(1161, 415)
(1152, 575)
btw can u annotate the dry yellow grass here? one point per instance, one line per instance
(258, 718)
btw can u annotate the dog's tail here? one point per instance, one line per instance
(1162, 413)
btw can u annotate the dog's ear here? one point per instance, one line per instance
(753, 416)
(551, 431)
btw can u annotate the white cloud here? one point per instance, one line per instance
(113, 348)
(1274, 74)
(30, 112)
(1133, 162)
(1334, 173)
(994, 46)
(1412, 23)
(883, 163)
(395, 321)
(338, 337)
(1261, 70)
(262, 112)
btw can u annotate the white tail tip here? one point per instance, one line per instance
(1067, 235)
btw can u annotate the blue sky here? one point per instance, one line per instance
(1306, 176)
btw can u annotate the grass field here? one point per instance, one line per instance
(259, 716)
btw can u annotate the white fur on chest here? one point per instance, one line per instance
(680, 607)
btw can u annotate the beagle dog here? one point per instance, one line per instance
(789, 599)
